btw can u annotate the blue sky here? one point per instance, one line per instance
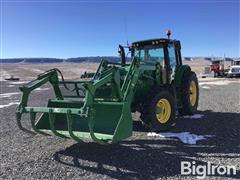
(64, 29)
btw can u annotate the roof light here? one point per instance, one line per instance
(168, 33)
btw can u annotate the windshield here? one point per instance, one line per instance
(236, 63)
(149, 53)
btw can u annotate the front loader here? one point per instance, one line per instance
(155, 83)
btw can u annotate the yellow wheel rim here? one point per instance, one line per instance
(193, 93)
(163, 110)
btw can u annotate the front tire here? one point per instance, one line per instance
(159, 110)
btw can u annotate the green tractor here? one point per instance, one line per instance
(154, 83)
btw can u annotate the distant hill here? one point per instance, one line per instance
(93, 59)
(90, 59)
(55, 60)
(31, 60)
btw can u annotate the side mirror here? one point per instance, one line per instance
(122, 54)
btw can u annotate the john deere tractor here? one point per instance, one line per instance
(154, 83)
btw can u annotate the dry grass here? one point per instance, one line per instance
(197, 65)
(72, 70)
(30, 71)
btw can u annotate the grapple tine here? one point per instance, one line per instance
(33, 118)
(18, 118)
(91, 126)
(69, 122)
(51, 122)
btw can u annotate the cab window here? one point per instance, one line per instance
(139, 53)
(172, 56)
(152, 54)
(155, 54)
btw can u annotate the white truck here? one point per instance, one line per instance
(234, 70)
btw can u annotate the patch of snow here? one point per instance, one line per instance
(3, 74)
(7, 105)
(153, 134)
(7, 95)
(205, 87)
(17, 82)
(214, 83)
(185, 137)
(38, 70)
(205, 75)
(10, 86)
(41, 89)
(195, 116)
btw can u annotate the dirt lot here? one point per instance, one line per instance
(24, 156)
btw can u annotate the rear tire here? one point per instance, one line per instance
(159, 110)
(189, 93)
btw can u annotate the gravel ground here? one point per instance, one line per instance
(24, 156)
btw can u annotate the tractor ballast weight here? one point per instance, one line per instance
(101, 107)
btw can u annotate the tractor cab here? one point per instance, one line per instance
(164, 52)
(158, 50)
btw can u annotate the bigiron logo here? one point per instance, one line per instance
(209, 169)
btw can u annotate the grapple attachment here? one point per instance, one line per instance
(96, 115)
